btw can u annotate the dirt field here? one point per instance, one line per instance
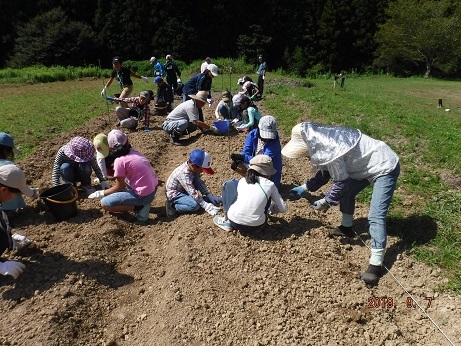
(101, 279)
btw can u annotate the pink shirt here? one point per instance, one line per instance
(138, 172)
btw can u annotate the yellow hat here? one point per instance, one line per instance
(296, 147)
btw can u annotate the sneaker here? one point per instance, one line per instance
(222, 223)
(143, 213)
(174, 139)
(170, 210)
(343, 231)
(89, 189)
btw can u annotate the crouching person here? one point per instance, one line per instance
(133, 169)
(185, 190)
(247, 203)
(185, 118)
(12, 182)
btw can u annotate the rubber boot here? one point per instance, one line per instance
(371, 276)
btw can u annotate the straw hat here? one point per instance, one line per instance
(296, 147)
(200, 96)
(263, 165)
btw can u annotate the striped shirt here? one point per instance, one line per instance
(63, 158)
(181, 180)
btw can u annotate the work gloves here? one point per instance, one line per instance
(12, 268)
(321, 204)
(103, 92)
(237, 157)
(145, 79)
(97, 194)
(19, 241)
(210, 208)
(297, 192)
(104, 184)
(210, 101)
(216, 200)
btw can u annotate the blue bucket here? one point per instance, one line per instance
(222, 125)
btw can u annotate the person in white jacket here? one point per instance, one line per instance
(354, 161)
(247, 203)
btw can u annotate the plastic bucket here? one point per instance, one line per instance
(222, 125)
(61, 201)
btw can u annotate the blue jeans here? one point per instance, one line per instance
(76, 171)
(127, 197)
(183, 203)
(383, 190)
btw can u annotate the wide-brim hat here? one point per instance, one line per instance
(200, 96)
(263, 165)
(79, 149)
(296, 147)
(101, 145)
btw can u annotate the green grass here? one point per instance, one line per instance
(426, 210)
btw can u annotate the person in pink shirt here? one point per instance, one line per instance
(135, 179)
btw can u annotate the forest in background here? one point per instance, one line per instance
(403, 37)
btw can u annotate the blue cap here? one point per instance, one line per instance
(202, 159)
(7, 141)
(158, 79)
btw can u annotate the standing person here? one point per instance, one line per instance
(7, 152)
(133, 169)
(129, 117)
(261, 75)
(123, 76)
(12, 182)
(205, 64)
(158, 67)
(74, 163)
(264, 140)
(165, 96)
(247, 203)
(201, 82)
(185, 190)
(354, 161)
(185, 118)
(172, 72)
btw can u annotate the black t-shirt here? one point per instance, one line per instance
(123, 77)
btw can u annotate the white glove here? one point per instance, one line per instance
(12, 268)
(145, 79)
(210, 208)
(103, 92)
(216, 200)
(264, 77)
(210, 101)
(272, 209)
(19, 241)
(97, 194)
(104, 184)
(321, 204)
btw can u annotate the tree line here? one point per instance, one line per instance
(302, 37)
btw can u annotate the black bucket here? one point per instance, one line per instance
(61, 201)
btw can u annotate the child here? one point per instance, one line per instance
(74, 163)
(12, 182)
(253, 114)
(123, 76)
(247, 203)
(104, 157)
(7, 152)
(134, 169)
(185, 191)
(130, 116)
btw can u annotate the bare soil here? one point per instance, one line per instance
(103, 279)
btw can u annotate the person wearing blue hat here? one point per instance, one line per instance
(7, 152)
(185, 190)
(165, 97)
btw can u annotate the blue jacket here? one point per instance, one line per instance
(200, 81)
(271, 148)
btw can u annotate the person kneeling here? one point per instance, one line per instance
(247, 203)
(133, 168)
